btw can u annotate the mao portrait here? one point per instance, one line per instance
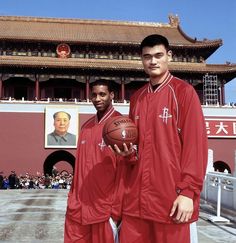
(61, 128)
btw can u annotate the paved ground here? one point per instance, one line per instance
(37, 216)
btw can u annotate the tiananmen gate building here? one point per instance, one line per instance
(48, 64)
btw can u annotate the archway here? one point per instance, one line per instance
(55, 157)
(221, 166)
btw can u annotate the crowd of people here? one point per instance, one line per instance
(38, 181)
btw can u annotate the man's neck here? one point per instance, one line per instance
(158, 79)
(100, 114)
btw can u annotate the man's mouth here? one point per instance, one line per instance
(154, 68)
(98, 105)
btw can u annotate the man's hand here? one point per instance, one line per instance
(125, 152)
(182, 209)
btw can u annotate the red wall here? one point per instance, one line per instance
(22, 143)
(223, 150)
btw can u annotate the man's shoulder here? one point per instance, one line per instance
(175, 81)
(181, 87)
(117, 113)
(89, 122)
(139, 91)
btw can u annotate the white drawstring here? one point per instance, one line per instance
(115, 230)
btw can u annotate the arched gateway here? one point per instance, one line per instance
(57, 157)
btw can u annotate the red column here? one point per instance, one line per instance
(1, 90)
(37, 95)
(87, 88)
(122, 90)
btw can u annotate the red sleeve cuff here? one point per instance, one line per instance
(187, 193)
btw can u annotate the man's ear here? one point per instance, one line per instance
(169, 54)
(112, 95)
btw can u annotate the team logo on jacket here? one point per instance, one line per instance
(165, 115)
(102, 145)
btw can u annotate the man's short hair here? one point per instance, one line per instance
(55, 114)
(153, 40)
(104, 82)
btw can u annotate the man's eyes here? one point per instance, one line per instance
(158, 56)
(100, 94)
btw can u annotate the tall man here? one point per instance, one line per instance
(94, 201)
(163, 192)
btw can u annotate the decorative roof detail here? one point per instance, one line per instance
(63, 50)
(174, 20)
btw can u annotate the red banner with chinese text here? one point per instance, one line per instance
(225, 128)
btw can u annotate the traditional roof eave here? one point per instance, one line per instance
(107, 64)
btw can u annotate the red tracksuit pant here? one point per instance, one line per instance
(94, 233)
(135, 230)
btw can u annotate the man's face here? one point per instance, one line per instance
(155, 60)
(101, 97)
(61, 123)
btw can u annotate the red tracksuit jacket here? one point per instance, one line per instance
(97, 188)
(172, 150)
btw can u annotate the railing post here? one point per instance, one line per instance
(218, 218)
(218, 197)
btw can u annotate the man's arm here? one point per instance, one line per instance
(194, 155)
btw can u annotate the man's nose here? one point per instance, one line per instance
(153, 60)
(97, 98)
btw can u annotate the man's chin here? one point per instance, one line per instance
(99, 108)
(154, 74)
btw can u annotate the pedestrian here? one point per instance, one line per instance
(1, 179)
(12, 180)
(54, 171)
(163, 188)
(95, 197)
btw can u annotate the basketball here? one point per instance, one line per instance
(118, 130)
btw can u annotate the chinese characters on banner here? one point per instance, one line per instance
(225, 128)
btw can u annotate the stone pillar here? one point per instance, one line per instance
(210, 167)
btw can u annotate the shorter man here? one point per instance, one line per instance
(94, 202)
(60, 136)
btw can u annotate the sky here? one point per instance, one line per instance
(211, 19)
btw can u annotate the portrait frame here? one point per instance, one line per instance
(49, 124)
